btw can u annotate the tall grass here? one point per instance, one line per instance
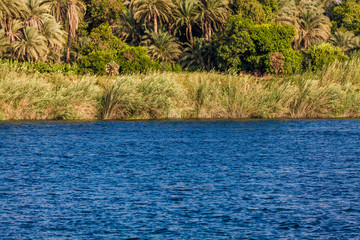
(34, 96)
(342, 71)
(135, 97)
(30, 95)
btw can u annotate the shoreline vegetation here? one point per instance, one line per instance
(29, 95)
(179, 59)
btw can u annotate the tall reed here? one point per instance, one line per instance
(30, 95)
(136, 97)
(342, 71)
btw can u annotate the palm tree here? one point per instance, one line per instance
(309, 21)
(54, 36)
(58, 9)
(355, 43)
(344, 40)
(35, 11)
(80, 47)
(33, 34)
(53, 33)
(127, 28)
(313, 27)
(32, 47)
(4, 42)
(163, 46)
(194, 55)
(186, 15)
(4, 6)
(328, 6)
(68, 12)
(112, 68)
(6, 10)
(9, 9)
(156, 10)
(212, 14)
(75, 11)
(14, 31)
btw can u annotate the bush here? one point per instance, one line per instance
(293, 61)
(103, 39)
(277, 62)
(259, 11)
(42, 67)
(235, 45)
(105, 47)
(129, 59)
(323, 54)
(96, 61)
(134, 59)
(272, 37)
(247, 47)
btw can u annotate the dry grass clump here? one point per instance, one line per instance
(136, 97)
(30, 97)
(342, 72)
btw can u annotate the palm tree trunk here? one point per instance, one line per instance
(155, 23)
(58, 50)
(207, 34)
(191, 35)
(68, 47)
(205, 31)
(209, 30)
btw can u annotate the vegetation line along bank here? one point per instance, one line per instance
(254, 36)
(335, 93)
(62, 51)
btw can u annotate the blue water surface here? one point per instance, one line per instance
(180, 180)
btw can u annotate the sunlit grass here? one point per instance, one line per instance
(335, 93)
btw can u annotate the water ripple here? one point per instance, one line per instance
(180, 180)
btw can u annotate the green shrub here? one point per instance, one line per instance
(346, 15)
(247, 47)
(96, 61)
(134, 59)
(272, 37)
(235, 45)
(41, 67)
(129, 59)
(259, 11)
(101, 11)
(293, 61)
(105, 47)
(323, 54)
(52, 67)
(102, 38)
(168, 67)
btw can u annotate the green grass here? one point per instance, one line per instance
(28, 95)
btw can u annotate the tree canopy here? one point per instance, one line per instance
(136, 35)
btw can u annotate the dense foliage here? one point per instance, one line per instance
(245, 46)
(104, 48)
(256, 36)
(324, 54)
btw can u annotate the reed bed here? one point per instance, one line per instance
(36, 96)
(334, 93)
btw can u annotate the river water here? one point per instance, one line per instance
(180, 180)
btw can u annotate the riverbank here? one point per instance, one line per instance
(333, 93)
